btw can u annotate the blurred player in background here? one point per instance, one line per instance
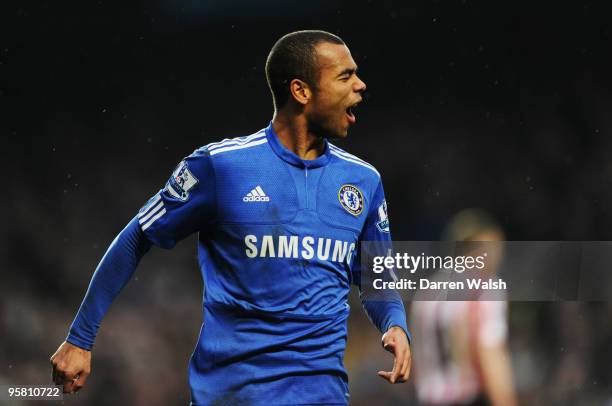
(463, 357)
(280, 215)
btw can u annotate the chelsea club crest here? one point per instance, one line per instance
(351, 199)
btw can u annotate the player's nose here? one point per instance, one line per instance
(360, 85)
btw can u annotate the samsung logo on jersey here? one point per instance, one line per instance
(283, 246)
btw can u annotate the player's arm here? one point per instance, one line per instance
(492, 354)
(384, 308)
(185, 205)
(72, 360)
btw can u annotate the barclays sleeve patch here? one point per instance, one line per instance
(181, 182)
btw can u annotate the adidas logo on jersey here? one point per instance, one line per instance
(256, 195)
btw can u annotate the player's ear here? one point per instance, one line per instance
(300, 91)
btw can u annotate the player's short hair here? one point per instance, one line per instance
(294, 57)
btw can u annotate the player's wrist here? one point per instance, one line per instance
(395, 328)
(75, 342)
(398, 328)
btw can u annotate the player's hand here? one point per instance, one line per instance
(71, 367)
(396, 342)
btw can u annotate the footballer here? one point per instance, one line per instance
(280, 215)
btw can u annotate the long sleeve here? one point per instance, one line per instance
(112, 274)
(384, 307)
(185, 205)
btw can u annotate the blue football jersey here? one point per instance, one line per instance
(278, 250)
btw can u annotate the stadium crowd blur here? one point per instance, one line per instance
(503, 107)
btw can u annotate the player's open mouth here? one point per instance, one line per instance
(349, 113)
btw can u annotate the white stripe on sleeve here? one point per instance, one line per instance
(153, 220)
(153, 203)
(151, 213)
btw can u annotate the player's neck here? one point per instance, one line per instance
(292, 132)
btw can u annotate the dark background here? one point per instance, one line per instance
(503, 106)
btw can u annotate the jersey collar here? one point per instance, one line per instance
(288, 156)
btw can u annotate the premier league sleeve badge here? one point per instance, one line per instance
(181, 182)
